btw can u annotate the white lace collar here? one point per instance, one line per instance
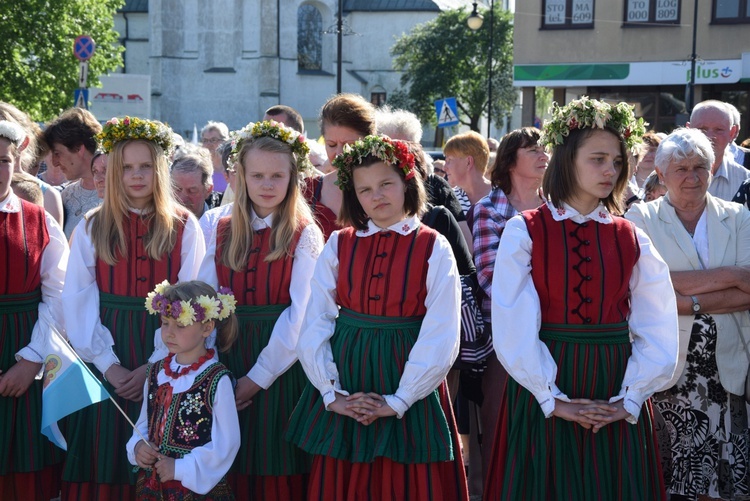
(403, 227)
(600, 214)
(11, 203)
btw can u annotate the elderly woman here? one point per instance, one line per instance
(706, 243)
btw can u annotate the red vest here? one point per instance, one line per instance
(136, 274)
(384, 274)
(261, 283)
(324, 217)
(581, 271)
(23, 238)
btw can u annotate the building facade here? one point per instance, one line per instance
(639, 51)
(230, 60)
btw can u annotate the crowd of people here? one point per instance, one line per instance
(560, 314)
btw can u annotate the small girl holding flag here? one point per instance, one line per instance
(188, 406)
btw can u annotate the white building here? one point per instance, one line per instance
(230, 60)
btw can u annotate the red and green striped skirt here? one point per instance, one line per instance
(534, 457)
(26, 456)
(267, 466)
(416, 456)
(97, 466)
(150, 488)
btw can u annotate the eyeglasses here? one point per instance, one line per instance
(213, 140)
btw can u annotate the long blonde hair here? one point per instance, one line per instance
(291, 214)
(107, 225)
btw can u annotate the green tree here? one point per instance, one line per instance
(445, 58)
(39, 72)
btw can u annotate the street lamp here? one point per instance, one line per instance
(475, 22)
(475, 19)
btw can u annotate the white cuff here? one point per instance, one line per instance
(179, 475)
(397, 403)
(547, 399)
(30, 354)
(329, 395)
(261, 377)
(106, 360)
(632, 402)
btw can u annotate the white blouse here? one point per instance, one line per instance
(280, 352)
(517, 319)
(436, 347)
(204, 466)
(210, 219)
(52, 273)
(93, 341)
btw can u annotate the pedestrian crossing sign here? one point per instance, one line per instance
(447, 112)
(82, 99)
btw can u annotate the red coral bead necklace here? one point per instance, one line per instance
(192, 367)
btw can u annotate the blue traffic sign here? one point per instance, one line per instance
(447, 111)
(84, 47)
(81, 99)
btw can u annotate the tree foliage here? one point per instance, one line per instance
(445, 58)
(39, 72)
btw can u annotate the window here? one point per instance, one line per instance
(652, 12)
(568, 14)
(377, 98)
(731, 11)
(309, 38)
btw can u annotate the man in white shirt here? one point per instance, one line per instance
(714, 119)
(741, 155)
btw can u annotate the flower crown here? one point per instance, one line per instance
(592, 113)
(13, 132)
(390, 151)
(275, 130)
(201, 309)
(116, 130)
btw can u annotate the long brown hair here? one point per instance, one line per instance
(560, 182)
(292, 214)
(107, 225)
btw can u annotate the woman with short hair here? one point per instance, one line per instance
(706, 244)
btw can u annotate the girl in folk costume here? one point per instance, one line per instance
(380, 334)
(136, 239)
(34, 254)
(584, 321)
(188, 410)
(265, 252)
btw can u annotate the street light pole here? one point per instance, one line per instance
(339, 38)
(489, 70)
(475, 21)
(693, 56)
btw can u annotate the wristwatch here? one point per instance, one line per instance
(696, 305)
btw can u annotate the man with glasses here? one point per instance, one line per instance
(212, 135)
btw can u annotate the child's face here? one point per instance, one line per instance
(598, 165)
(7, 160)
(186, 342)
(267, 176)
(138, 174)
(381, 192)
